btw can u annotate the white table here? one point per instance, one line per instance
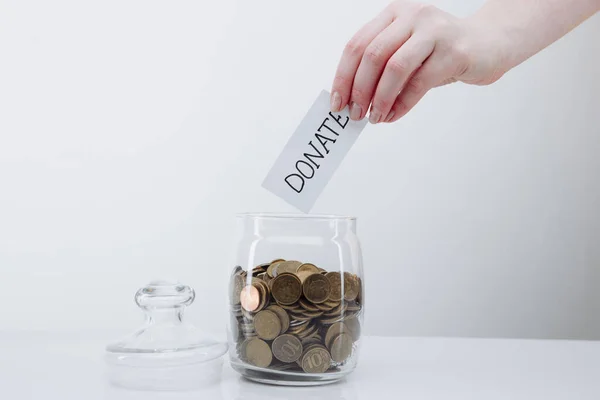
(70, 366)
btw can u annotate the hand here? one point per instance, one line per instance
(407, 50)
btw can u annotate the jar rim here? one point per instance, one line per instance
(295, 216)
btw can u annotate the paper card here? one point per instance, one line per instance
(313, 153)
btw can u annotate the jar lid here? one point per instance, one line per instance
(166, 353)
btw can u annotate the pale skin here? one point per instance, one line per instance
(411, 48)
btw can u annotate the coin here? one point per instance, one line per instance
(353, 325)
(316, 360)
(264, 291)
(316, 288)
(327, 306)
(341, 347)
(272, 267)
(316, 310)
(335, 279)
(237, 284)
(350, 286)
(267, 325)
(282, 315)
(258, 353)
(308, 268)
(333, 331)
(287, 348)
(307, 305)
(303, 275)
(310, 340)
(286, 288)
(286, 266)
(249, 298)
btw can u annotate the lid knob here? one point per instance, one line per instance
(164, 294)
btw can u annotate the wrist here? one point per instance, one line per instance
(492, 43)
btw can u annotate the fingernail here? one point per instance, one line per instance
(390, 116)
(374, 117)
(355, 111)
(336, 102)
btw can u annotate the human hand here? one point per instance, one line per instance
(407, 50)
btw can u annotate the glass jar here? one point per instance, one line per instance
(296, 298)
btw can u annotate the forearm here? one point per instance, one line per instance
(527, 26)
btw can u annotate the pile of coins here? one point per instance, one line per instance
(290, 315)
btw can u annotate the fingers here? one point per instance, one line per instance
(353, 53)
(430, 75)
(372, 64)
(398, 70)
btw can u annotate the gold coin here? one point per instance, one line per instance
(282, 315)
(258, 353)
(353, 325)
(308, 331)
(277, 260)
(308, 306)
(327, 306)
(286, 288)
(308, 267)
(316, 288)
(259, 269)
(267, 325)
(272, 267)
(316, 360)
(310, 341)
(337, 311)
(250, 298)
(265, 296)
(287, 348)
(303, 275)
(286, 266)
(350, 286)
(335, 279)
(341, 347)
(331, 320)
(333, 331)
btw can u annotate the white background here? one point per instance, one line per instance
(132, 131)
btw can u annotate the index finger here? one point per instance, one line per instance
(353, 52)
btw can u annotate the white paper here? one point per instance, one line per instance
(313, 153)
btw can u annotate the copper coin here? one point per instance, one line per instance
(287, 348)
(286, 288)
(250, 298)
(316, 288)
(335, 279)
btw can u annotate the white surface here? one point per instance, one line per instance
(131, 131)
(68, 366)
